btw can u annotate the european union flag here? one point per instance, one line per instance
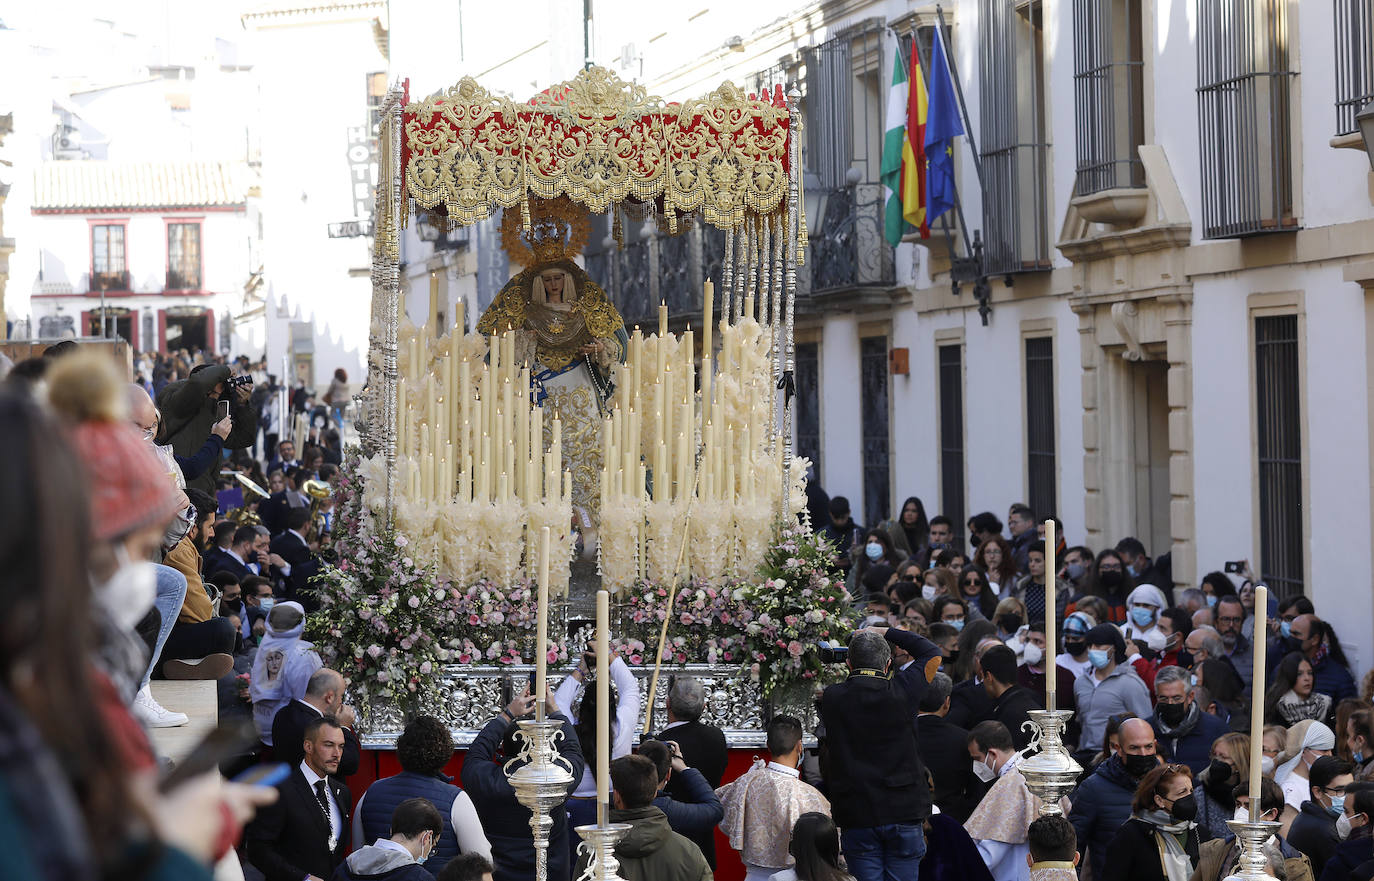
(943, 125)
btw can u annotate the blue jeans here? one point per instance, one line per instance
(884, 853)
(171, 593)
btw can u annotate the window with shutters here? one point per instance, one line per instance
(1278, 409)
(1354, 61)
(109, 269)
(183, 256)
(873, 402)
(1108, 95)
(951, 379)
(806, 361)
(1041, 473)
(1246, 68)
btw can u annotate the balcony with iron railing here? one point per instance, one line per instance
(183, 280)
(116, 280)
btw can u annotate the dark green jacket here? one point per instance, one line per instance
(188, 415)
(652, 851)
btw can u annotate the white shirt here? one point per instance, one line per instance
(467, 827)
(626, 715)
(335, 818)
(783, 769)
(252, 567)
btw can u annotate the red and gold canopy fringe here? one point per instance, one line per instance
(599, 141)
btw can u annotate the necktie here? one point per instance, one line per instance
(322, 796)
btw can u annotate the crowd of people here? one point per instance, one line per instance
(134, 555)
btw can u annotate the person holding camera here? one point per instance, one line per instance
(191, 407)
(874, 775)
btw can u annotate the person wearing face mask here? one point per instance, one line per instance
(1354, 856)
(970, 703)
(1102, 802)
(1186, 734)
(1307, 742)
(1031, 672)
(952, 611)
(998, 825)
(1074, 565)
(1160, 841)
(1110, 581)
(1313, 829)
(1359, 740)
(1112, 687)
(1217, 858)
(415, 828)
(876, 548)
(1330, 669)
(201, 644)
(1228, 768)
(1143, 606)
(1141, 569)
(1074, 657)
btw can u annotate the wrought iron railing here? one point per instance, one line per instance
(187, 280)
(1354, 61)
(1108, 84)
(110, 281)
(847, 245)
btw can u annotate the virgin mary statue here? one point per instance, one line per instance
(566, 330)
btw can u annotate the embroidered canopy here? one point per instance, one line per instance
(600, 141)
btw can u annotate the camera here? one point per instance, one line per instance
(241, 381)
(832, 652)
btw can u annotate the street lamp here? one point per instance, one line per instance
(1365, 120)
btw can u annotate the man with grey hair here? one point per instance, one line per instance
(1184, 732)
(702, 746)
(872, 761)
(1205, 643)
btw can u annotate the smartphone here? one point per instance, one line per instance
(265, 775)
(1233, 566)
(231, 738)
(223, 412)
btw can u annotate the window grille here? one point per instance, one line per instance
(952, 438)
(1354, 61)
(1015, 144)
(1040, 460)
(808, 410)
(1279, 412)
(183, 256)
(1245, 76)
(874, 409)
(1108, 81)
(107, 249)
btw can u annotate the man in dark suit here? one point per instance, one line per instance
(506, 821)
(292, 547)
(702, 747)
(1011, 702)
(235, 557)
(285, 459)
(943, 750)
(970, 703)
(323, 698)
(304, 836)
(873, 770)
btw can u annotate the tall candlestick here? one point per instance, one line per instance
(1050, 622)
(541, 632)
(1257, 705)
(460, 319)
(603, 705)
(708, 313)
(662, 321)
(556, 447)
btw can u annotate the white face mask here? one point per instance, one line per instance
(1242, 815)
(928, 592)
(1343, 828)
(1032, 654)
(1267, 765)
(983, 771)
(130, 591)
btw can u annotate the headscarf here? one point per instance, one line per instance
(1178, 866)
(278, 645)
(1309, 734)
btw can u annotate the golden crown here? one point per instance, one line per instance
(557, 229)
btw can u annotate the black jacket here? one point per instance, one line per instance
(1011, 710)
(290, 839)
(1314, 833)
(288, 739)
(188, 415)
(1350, 855)
(217, 560)
(505, 820)
(944, 750)
(304, 566)
(873, 770)
(695, 815)
(1133, 854)
(969, 704)
(703, 748)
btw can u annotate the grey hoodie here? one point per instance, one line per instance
(1123, 691)
(383, 862)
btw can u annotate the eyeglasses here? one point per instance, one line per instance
(1226, 619)
(1334, 790)
(1170, 700)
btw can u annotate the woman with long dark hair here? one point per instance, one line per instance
(910, 530)
(974, 587)
(1291, 698)
(1110, 580)
(816, 848)
(876, 548)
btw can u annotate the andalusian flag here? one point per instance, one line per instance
(904, 161)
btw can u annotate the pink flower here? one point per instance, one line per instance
(374, 650)
(425, 668)
(794, 648)
(552, 655)
(402, 541)
(473, 620)
(465, 658)
(413, 602)
(685, 618)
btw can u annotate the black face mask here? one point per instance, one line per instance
(1075, 646)
(1184, 809)
(1110, 578)
(1172, 714)
(952, 657)
(1009, 623)
(1139, 766)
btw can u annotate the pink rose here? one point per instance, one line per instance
(425, 668)
(413, 602)
(794, 648)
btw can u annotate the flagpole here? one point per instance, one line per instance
(959, 93)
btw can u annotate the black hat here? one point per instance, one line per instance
(1108, 634)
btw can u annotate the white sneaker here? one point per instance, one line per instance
(152, 714)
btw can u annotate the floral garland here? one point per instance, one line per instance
(390, 623)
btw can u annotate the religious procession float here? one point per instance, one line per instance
(554, 452)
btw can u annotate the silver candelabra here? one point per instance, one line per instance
(541, 782)
(1051, 773)
(1252, 859)
(598, 844)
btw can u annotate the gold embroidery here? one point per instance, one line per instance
(576, 408)
(560, 336)
(600, 141)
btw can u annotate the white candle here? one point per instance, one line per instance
(541, 637)
(603, 705)
(1257, 705)
(1050, 622)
